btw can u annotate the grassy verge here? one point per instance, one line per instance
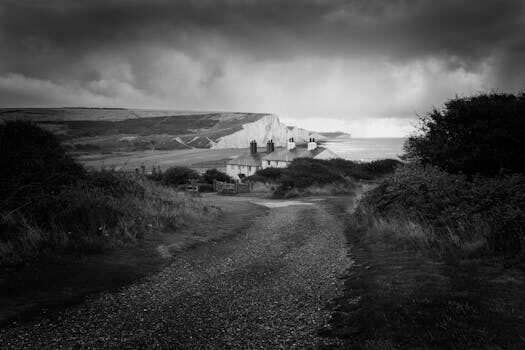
(438, 264)
(91, 216)
(447, 215)
(50, 206)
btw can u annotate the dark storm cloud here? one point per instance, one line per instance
(65, 30)
(153, 48)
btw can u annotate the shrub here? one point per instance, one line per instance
(32, 161)
(213, 174)
(364, 171)
(481, 134)
(304, 172)
(490, 209)
(51, 206)
(381, 166)
(178, 176)
(205, 187)
(267, 175)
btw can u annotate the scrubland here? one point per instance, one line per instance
(51, 206)
(305, 176)
(439, 244)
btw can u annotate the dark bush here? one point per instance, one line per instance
(381, 166)
(481, 134)
(176, 175)
(363, 171)
(489, 207)
(213, 174)
(267, 175)
(304, 172)
(205, 187)
(32, 161)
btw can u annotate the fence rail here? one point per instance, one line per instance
(231, 187)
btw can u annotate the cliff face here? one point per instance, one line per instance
(266, 128)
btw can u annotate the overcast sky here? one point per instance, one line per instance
(363, 66)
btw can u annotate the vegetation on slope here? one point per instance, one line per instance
(316, 176)
(49, 205)
(464, 187)
(427, 208)
(439, 244)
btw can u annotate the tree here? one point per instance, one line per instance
(214, 174)
(178, 175)
(481, 134)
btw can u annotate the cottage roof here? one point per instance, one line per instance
(283, 154)
(247, 159)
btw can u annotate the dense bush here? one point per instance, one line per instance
(481, 134)
(205, 187)
(178, 175)
(380, 167)
(338, 173)
(363, 170)
(32, 161)
(267, 175)
(51, 206)
(304, 172)
(492, 209)
(213, 174)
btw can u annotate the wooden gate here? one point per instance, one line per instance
(230, 187)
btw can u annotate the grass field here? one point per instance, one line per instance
(197, 158)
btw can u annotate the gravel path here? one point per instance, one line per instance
(264, 289)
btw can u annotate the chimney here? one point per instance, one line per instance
(312, 144)
(291, 144)
(273, 145)
(253, 147)
(269, 146)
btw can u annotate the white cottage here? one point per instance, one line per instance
(245, 164)
(282, 157)
(248, 164)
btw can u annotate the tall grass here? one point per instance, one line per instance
(105, 211)
(402, 233)
(50, 205)
(426, 208)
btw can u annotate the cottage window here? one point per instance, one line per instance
(268, 162)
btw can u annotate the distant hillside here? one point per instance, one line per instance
(87, 130)
(334, 134)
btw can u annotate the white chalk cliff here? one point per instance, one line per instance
(267, 128)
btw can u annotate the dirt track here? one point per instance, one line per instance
(265, 288)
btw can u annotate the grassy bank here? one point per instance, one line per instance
(439, 244)
(446, 215)
(50, 206)
(305, 176)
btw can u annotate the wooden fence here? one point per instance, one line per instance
(231, 187)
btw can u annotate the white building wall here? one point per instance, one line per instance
(234, 170)
(274, 164)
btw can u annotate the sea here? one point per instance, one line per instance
(366, 149)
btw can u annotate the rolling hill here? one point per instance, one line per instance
(108, 130)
